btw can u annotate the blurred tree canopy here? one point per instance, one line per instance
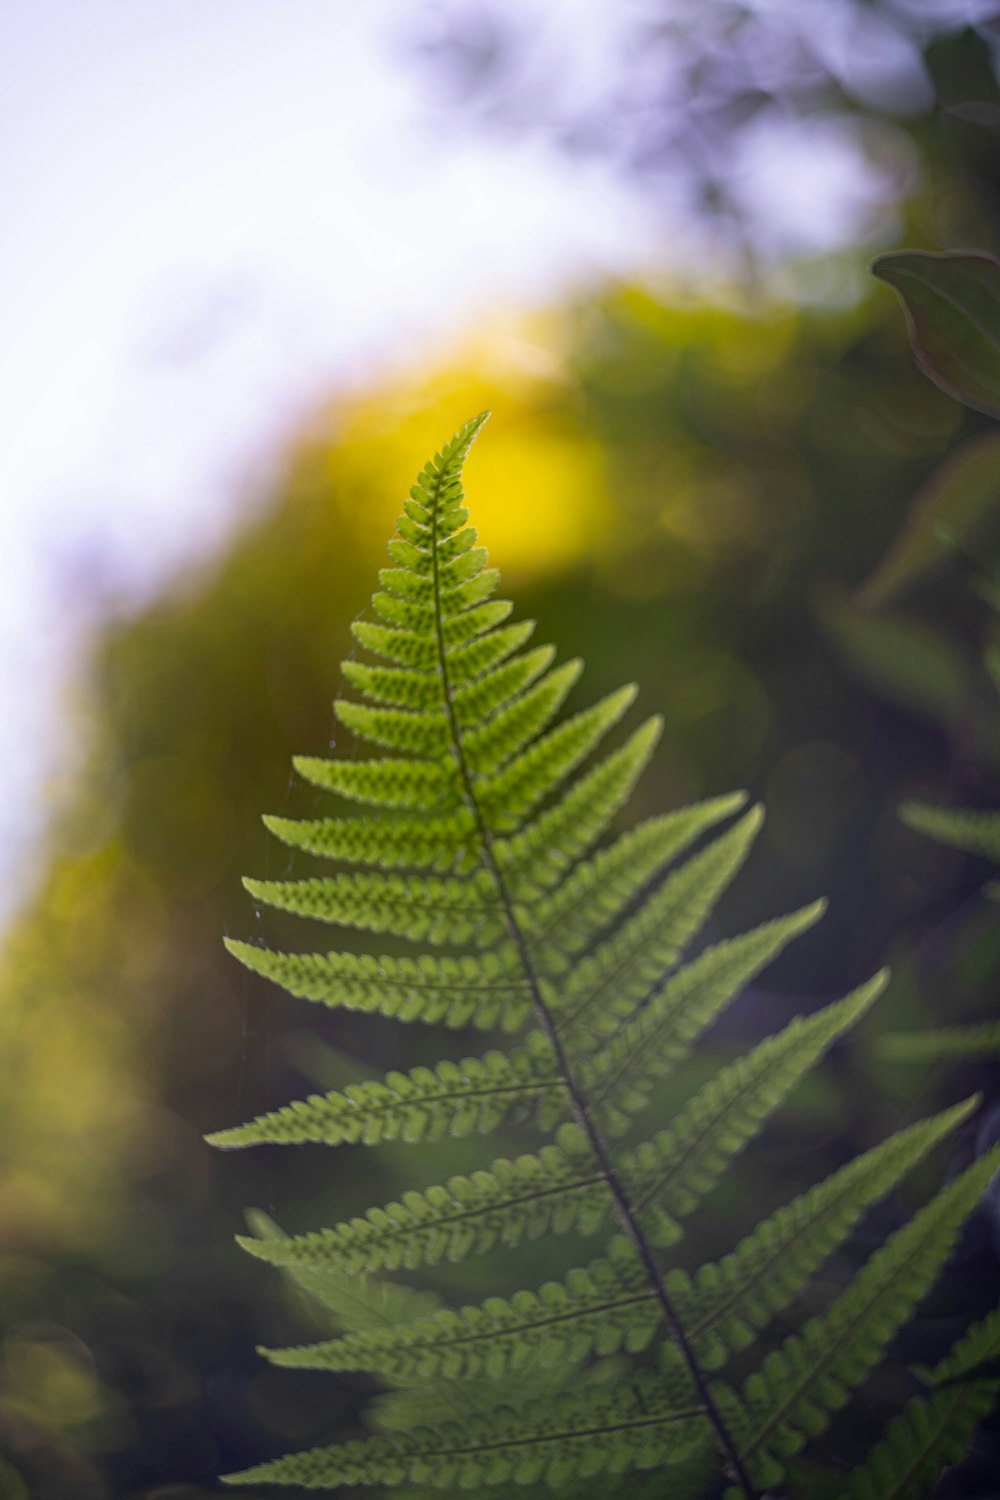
(754, 132)
(688, 492)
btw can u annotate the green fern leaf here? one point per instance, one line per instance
(491, 745)
(486, 991)
(609, 1305)
(674, 1170)
(610, 983)
(466, 664)
(812, 1375)
(429, 843)
(725, 1306)
(536, 859)
(946, 1043)
(558, 1190)
(933, 1430)
(435, 909)
(961, 828)
(503, 685)
(408, 784)
(408, 687)
(455, 1099)
(396, 728)
(620, 1076)
(507, 796)
(561, 1187)
(356, 1305)
(599, 891)
(630, 1426)
(480, 834)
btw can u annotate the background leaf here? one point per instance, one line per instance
(952, 303)
(949, 510)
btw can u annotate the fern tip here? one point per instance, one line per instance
(866, 994)
(302, 764)
(280, 827)
(244, 953)
(246, 1476)
(224, 1140)
(754, 817)
(253, 1246)
(468, 432)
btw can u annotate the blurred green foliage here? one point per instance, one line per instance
(690, 495)
(697, 489)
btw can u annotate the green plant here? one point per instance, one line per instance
(482, 845)
(952, 306)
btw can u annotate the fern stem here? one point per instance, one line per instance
(625, 1212)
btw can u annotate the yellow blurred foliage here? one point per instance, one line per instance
(541, 499)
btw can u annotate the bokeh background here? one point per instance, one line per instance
(261, 260)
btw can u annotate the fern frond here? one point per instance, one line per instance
(558, 1189)
(466, 664)
(813, 1374)
(480, 830)
(561, 1188)
(400, 687)
(484, 991)
(418, 650)
(968, 829)
(601, 1308)
(501, 687)
(673, 1171)
(409, 687)
(356, 1305)
(513, 715)
(688, 1474)
(726, 1305)
(537, 858)
(933, 1430)
(509, 795)
(435, 909)
(424, 785)
(630, 1426)
(492, 744)
(424, 732)
(609, 1305)
(459, 622)
(601, 890)
(944, 1043)
(453, 1098)
(619, 1077)
(609, 984)
(429, 843)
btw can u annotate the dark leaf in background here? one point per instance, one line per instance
(952, 303)
(948, 513)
